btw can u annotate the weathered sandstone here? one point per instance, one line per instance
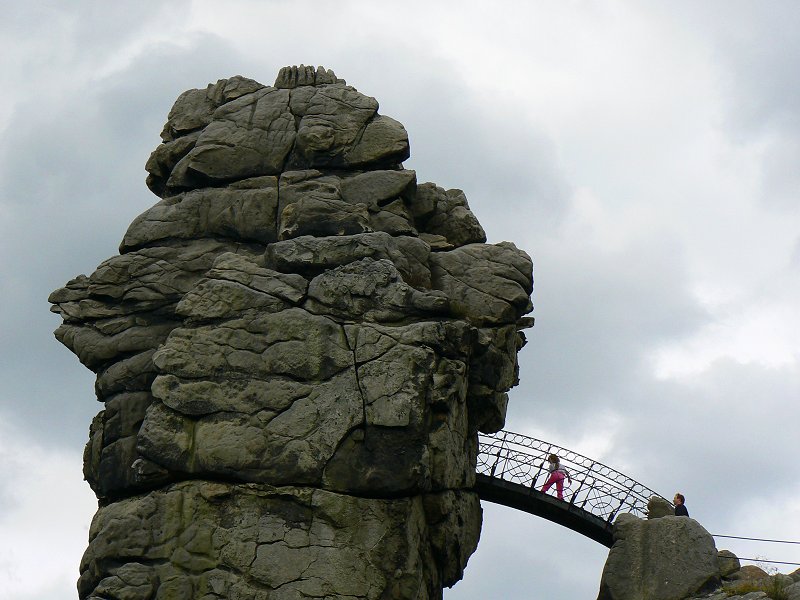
(295, 350)
(674, 558)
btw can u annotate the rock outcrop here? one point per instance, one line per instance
(668, 558)
(674, 558)
(658, 507)
(295, 350)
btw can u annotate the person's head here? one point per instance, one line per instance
(553, 458)
(679, 499)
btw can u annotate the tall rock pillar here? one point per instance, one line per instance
(295, 349)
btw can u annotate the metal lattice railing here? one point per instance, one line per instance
(595, 487)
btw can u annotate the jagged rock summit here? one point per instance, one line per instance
(295, 349)
(238, 129)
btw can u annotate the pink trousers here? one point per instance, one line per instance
(556, 477)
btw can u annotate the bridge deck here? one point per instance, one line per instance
(511, 469)
(521, 497)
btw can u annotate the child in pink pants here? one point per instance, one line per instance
(557, 474)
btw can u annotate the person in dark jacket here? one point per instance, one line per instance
(680, 506)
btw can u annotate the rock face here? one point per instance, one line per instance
(668, 558)
(728, 563)
(658, 507)
(674, 558)
(295, 350)
(793, 591)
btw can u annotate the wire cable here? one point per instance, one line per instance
(762, 560)
(737, 537)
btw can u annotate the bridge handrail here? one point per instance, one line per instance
(596, 487)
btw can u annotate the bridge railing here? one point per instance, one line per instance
(595, 487)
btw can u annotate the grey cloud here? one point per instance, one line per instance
(759, 43)
(795, 257)
(757, 51)
(763, 55)
(598, 316)
(523, 556)
(505, 169)
(721, 433)
(508, 169)
(780, 179)
(85, 26)
(73, 179)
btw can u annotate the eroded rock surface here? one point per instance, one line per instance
(667, 558)
(295, 350)
(674, 558)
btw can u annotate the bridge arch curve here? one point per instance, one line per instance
(511, 469)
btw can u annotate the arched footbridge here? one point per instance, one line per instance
(512, 468)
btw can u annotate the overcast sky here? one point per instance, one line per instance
(645, 154)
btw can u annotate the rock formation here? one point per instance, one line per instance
(674, 558)
(295, 349)
(659, 507)
(665, 558)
